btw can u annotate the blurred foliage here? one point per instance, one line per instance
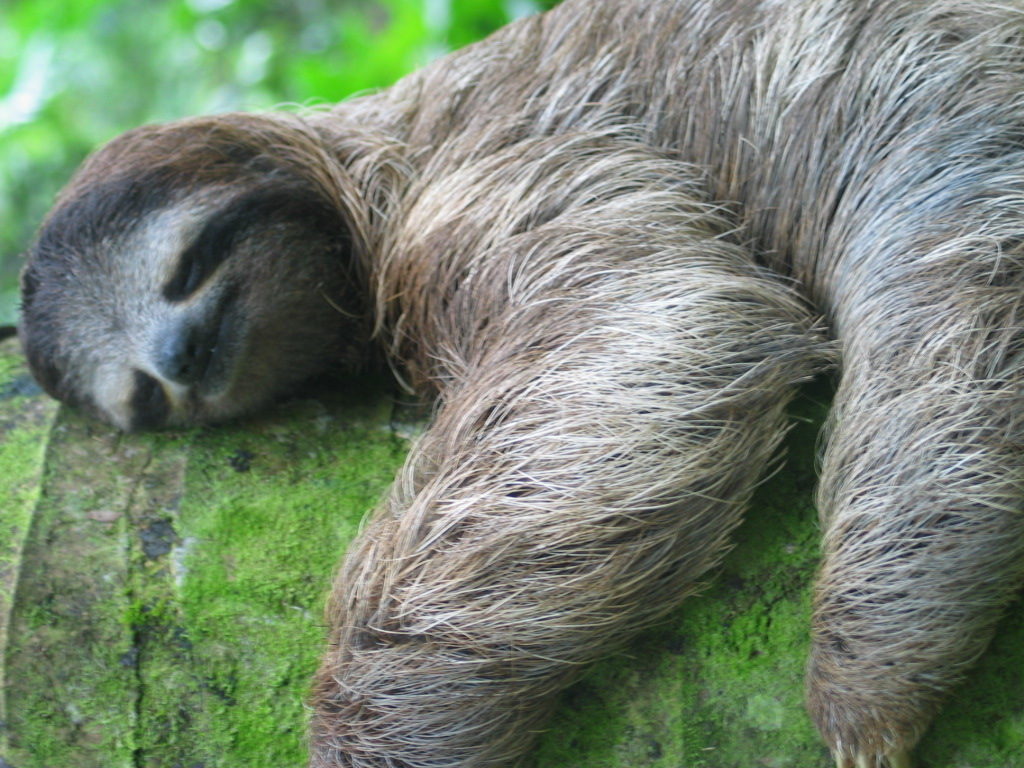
(75, 73)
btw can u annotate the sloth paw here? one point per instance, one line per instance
(899, 759)
(868, 710)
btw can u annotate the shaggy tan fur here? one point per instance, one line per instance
(585, 237)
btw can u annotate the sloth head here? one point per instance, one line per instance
(190, 272)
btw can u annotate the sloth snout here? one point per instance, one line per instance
(184, 351)
(193, 349)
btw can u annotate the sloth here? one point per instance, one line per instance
(608, 243)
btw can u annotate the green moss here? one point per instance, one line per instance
(169, 599)
(25, 418)
(720, 685)
(69, 691)
(267, 511)
(169, 604)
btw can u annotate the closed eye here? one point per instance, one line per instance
(222, 232)
(200, 260)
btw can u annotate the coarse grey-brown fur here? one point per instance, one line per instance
(601, 240)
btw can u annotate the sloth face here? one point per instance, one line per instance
(153, 307)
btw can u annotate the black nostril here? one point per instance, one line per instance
(184, 351)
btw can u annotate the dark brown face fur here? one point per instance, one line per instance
(162, 298)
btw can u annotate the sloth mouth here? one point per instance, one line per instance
(192, 367)
(214, 352)
(150, 406)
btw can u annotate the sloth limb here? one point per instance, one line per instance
(599, 435)
(921, 483)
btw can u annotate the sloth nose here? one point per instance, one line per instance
(184, 351)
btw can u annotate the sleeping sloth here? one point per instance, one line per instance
(609, 241)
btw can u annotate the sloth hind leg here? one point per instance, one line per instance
(921, 483)
(599, 439)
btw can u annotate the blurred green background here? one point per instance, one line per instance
(74, 73)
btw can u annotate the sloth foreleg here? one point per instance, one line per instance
(597, 445)
(921, 486)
